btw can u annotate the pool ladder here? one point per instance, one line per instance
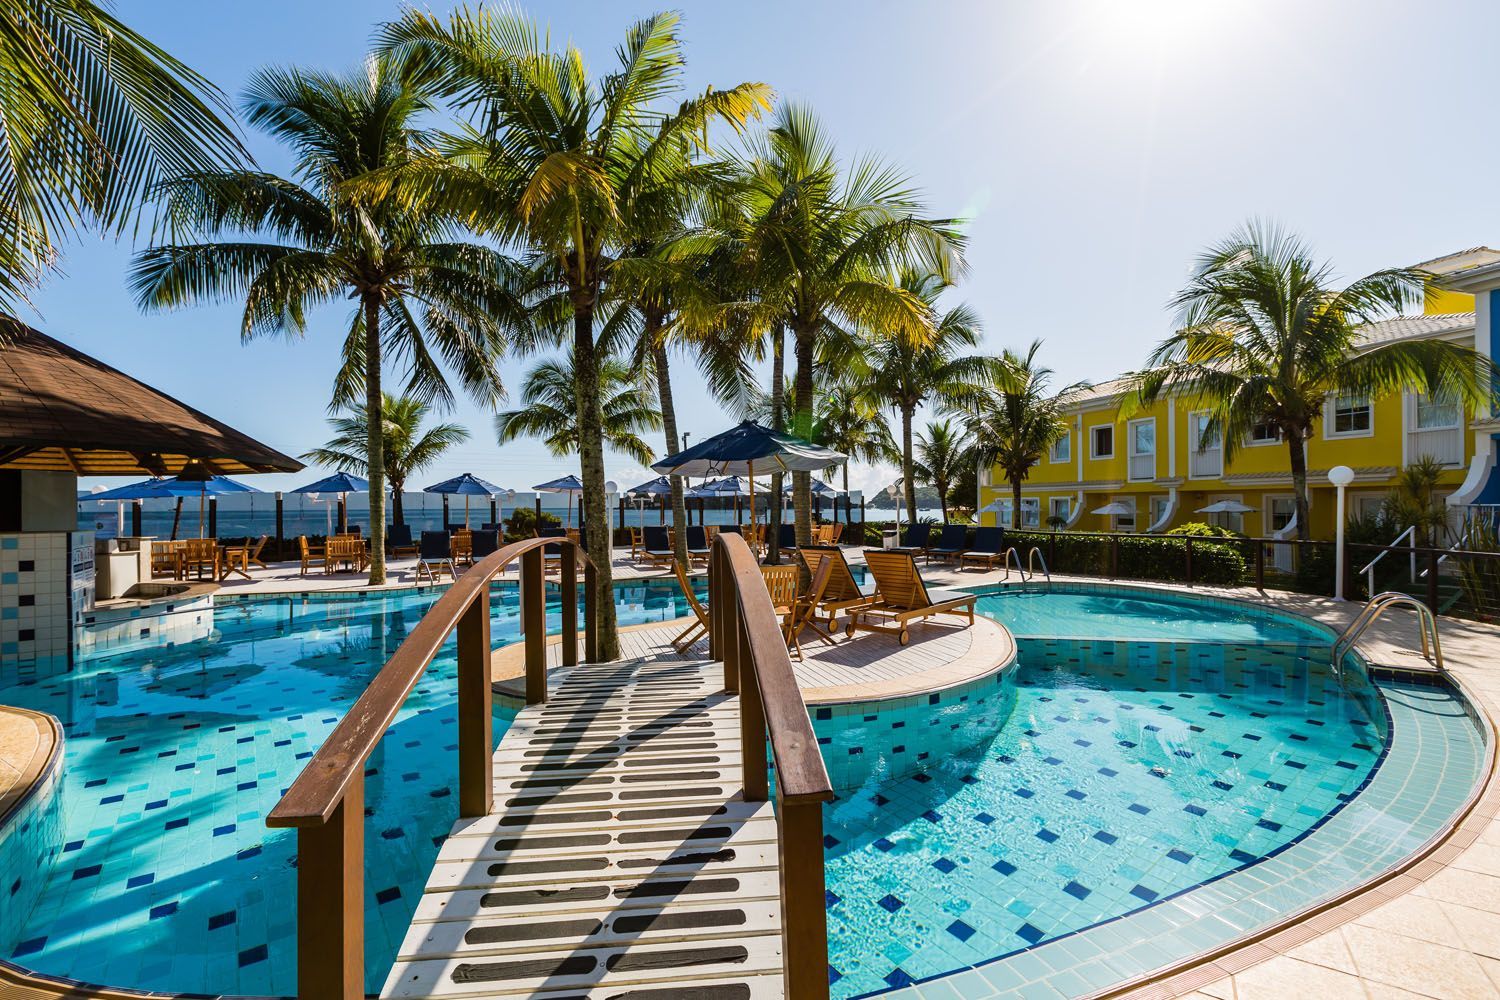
(1019, 569)
(1432, 649)
(1032, 558)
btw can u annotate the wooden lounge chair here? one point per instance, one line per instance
(781, 584)
(436, 552)
(398, 539)
(989, 548)
(951, 544)
(697, 543)
(915, 538)
(699, 627)
(257, 549)
(838, 532)
(637, 543)
(658, 546)
(236, 559)
(902, 598)
(841, 593)
(804, 614)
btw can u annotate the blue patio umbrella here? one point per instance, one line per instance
(661, 486)
(740, 449)
(341, 483)
(178, 487)
(466, 485)
(819, 489)
(567, 484)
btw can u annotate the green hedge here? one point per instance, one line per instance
(1142, 557)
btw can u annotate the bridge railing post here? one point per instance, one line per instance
(534, 625)
(331, 901)
(752, 715)
(569, 575)
(590, 614)
(804, 916)
(476, 737)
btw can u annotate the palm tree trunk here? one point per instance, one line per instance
(942, 488)
(398, 513)
(908, 465)
(669, 426)
(778, 423)
(374, 440)
(1015, 502)
(591, 462)
(802, 427)
(1298, 458)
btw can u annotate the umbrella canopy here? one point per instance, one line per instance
(994, 507)
(660, 486)
(1115, 508)
(1227, 507)
(567, 484)
(732, 486)
(467, 485)
(742, 449)
(819, 489)
(339, 482)
(178, 486)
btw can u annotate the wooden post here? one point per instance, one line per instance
(135, 519)
(495, 515)
(213, 517)
(534, 625)
(1188, 550)
(752, 712)
(590, 615)
(1260, 566)
(476, 738)
(1432, 580)
(331, 901)
(804, 916)
(569, 574)
(445, 512)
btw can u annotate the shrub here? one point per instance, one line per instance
(1141, 557)
(522, 523)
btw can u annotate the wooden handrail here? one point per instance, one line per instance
(745, 633)
(326, 801)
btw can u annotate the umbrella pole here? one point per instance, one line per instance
(751, 466)
(201, 494)
(466, 512)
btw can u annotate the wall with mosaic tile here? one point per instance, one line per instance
(160, 624)
(46, 581)
(29, 840)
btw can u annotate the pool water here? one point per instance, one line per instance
(1136, 614)
(165, 876)
(1127, 772)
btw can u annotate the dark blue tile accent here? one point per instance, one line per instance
(897, 978)
(1181, 857)
(1076, 890)
(944, 865)
(136, 881)
(891, 904)
(164, 910)
(831, 899)
(1030, 934)
(1004, 867)
(1105, 837)
(252, 955)
(222, 920)
(388, 895)
(1046, 835)
(960, 930)
(1141, 892)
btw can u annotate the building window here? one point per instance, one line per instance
(1062, 448)
(1158, 510)
(1141, 437)
(1058, 507)
(1263, 432)
(1437, 413)
(1280, 512)
(1102, 441)
(1205, 451)
(1031, 512)
(1352, 415)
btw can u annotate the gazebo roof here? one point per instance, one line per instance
(63, 411)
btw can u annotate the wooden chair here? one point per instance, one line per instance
(782, 583)
(841, 593)
(952, 543)
(804, 615)
(309, 553)
(399, 541)
(697, 543)
(166, 559)
(463, 547)
(699, 627)
(658, 546)
(902, 597)
(823, 534)
(637, 543)
(838, 532)
(257, 549)
(341, 551)
(199, 554)
(236, 559)
(989, 548)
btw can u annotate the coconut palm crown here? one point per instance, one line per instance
(1265, 337)
(423, 296)
(548, 412)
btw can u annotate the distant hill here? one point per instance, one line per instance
(927, 498)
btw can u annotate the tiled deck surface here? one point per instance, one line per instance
(869, 666)
(25, 744)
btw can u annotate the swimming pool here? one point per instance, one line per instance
(1105, 612)
(163, 875)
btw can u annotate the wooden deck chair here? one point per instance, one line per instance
(989, 548)
(637, 543)
(781, 583)
(200, 554)
(309, 553)
(257, 549)
(838, 532)
(658, 546)
(841, 592)
(697, 543)
(952, 543)
(805, 611)
(901, 597)
(699, 627)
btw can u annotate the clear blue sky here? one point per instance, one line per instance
(1096, 146)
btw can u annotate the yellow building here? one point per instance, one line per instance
(1161, 466)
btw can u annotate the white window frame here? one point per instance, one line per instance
(1193, 435)
(1330, 416)
(1269, 511)
(1064, 454)
(1251, 441)
(1416, 413)
(1157, 506)
(1060, 507)
(1134, 516)
(1094, 440)
(1031, 512)
(1130, 452)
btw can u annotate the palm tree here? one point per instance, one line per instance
(822, 242)
(92, 117)
(940, 453)
(902, 373)
(1264, 338)
(566, 166)
(420, 294)
(548, 411)
(406, 448)
(1014, 427)
(849, 423)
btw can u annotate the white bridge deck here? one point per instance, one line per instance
(620, 858)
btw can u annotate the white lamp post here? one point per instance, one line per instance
(1340, 476)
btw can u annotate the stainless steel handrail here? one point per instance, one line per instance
(1035, 554)
(1432, 649)
(1012, 552)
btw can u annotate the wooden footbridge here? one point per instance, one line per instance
(619, 843)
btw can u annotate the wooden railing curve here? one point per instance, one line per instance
(745, 634)
(326, 801)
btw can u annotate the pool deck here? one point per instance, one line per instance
(27, 741)
(1430, 931)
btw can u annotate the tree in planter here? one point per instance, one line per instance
(322, 238)
(566, 166)
(406, 448)
(1413, 503)
(1013, 427)
(940, 453)
(548, 412)
(1264, 340)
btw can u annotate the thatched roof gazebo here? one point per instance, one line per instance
(63, 411)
